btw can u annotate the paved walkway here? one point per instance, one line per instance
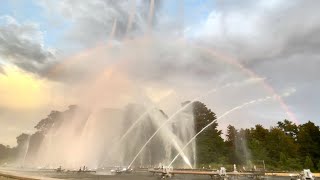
(8, 175)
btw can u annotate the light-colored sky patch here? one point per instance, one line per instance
(22, 90)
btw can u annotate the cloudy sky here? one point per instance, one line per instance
(108, 53)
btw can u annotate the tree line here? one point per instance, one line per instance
(284, 146)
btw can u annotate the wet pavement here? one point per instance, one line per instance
(48, 174)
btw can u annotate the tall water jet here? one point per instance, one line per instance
(117, 145)
(142, 117)
(150, 15)
(132, 13)
(113, 30)
(165, 134)
(75, 137)
(241, 148)
(181, 17)
(183, 132)
(27, 145)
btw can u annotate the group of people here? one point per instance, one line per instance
(84, 169)
(81, 169)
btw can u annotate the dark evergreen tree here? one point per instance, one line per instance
(257, 143)
(210, 145)
(231, 144)
(309, 141)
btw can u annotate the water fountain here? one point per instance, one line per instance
(135, 135)
(163, 125)
(223, 115)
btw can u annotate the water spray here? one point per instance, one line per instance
(131, 16)
(150, 16)
(223, 115)
(27, 149)
(187, 105)
(135, 123)
(113, 30)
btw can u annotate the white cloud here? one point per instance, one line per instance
(259, 28)
(275, 39)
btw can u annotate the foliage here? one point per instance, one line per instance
(283, 147)
(4, 153)
(289, 128)
(210, 145)
(309, 141)
(286, 146)
(308, 164)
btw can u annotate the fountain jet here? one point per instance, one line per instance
(184, 107)
(223, 115)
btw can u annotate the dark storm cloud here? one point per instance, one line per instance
(257, 30)
(277, 39)
(21, 44)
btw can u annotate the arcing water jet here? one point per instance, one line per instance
(223, 115)
(184, 107)
(166, 134)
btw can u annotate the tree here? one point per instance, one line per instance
(308, 163)
(55, 118)
(260, 133)
(231, 144)
(4, 153)
(210, 145)
(283, 159)
(46, 124)
(309, 141)
(257, 143)
(293, 164)
(231, 134)
(22, 139)
(288, 128)
(278, 142)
